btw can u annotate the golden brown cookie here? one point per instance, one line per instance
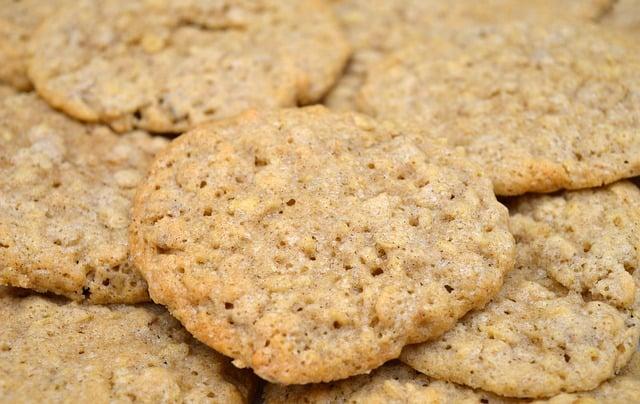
(537, 338)
(167, 65)
(539, 107)
(312, 246)
(18, 20)
(65, 196)
(397, 383)
(377, 27)
(52, 350)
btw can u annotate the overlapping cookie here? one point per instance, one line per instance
(377, 28)
(164, 66)
(566, 318)
(65, 196)
(312, 246)
(397, 383)
(52, 350)
(18, 20)
(539, 107)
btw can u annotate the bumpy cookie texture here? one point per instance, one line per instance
(537, 338)
(390, 383)
(377, 27)
(589, 239)
(540, 107)
(18, 20)
(312, 246)
(59, 351)
(166, 65)
(65, 199)
(395, 383)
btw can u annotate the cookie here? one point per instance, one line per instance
(376, 28)
(65, 195)
(311, 246)
(390, 383)
(537, 338)
(539, 107)
(589, 239)
(167, 65)
(397, 383)
(52, 350)
(624, 15)
(18, 20)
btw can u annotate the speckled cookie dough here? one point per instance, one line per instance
(392, 383)
(377, 27)
(52, 350)
(398, 384)
(312, 246)
(65, 197)
(18, 20)
(538, 338)
(167, 65)
(540, 107)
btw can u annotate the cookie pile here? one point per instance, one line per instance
(320, 201)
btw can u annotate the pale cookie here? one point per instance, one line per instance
(53, 350)
(65, 196)
(589, 239)
(167, 65)
(536, 338)
(313, 246)
(377, 27)
(396, 383)
(390, 383)
(18, 20)
(540, 107)
(624, 15)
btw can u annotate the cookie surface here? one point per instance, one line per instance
(52, 350)
(624, 15)
(376, 28)
(167, 65)
(541, 108)
(537, 338)
(590, 239)
(312, 246)
(18, 20)
(396, 383)
(65, 196)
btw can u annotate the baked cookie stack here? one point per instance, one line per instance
(182, 221)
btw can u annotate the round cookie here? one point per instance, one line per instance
(538, 338)
(18, 20)
(65, 195)
(397, 383)
(53, 350)
(312, 246)
(375, 28)
(167, 65)
(540, 107)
